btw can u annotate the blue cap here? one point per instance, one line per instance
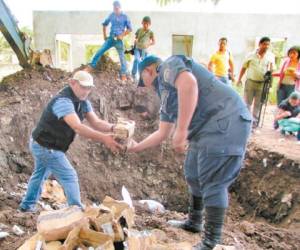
(117, 4)
(147, 61)
(294, 95)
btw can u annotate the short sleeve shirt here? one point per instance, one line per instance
(63, 106)
(221, 63)
(118, 23)
(288, 77)
(144, 38)
(168, 73)
(257, 66)
(286, 106)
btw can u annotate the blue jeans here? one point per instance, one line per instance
(139, 54)
(224, 79)
(109, 43)
(284, 92)
(46, 162)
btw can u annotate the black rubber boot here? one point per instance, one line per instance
(214, 220)
(194, 221)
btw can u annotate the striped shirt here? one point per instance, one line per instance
(64, 106)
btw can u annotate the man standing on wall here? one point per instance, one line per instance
(120, 27)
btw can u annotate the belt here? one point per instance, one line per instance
(256, 81)
(48, 145)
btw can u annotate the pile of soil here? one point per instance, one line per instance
(154, 174)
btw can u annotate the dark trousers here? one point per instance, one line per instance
(284, 91)
(213, 162)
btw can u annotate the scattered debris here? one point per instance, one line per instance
(53, 192)
(156, 174)
(222, 247)
(287, 198)
(248, 228)
(126, 197)
(3, 235)
(153, 206)
(265, 162)
(17, 230)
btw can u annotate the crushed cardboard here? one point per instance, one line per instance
(31, 243)
(98, 227)
(83, 236)
(121, 210)
(56, 224)
(124, 130)
(53, 191)
(140, 240)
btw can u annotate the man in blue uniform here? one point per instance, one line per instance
(215, 122)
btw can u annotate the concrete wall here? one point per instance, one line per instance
(241, 29)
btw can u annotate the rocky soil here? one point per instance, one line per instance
(265, 201)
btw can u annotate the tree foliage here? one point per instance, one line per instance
(166, 2)
(4, 45)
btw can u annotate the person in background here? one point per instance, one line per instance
(221, 63)
(144, 38)
(257, 63)
(289, 75)
(287, 109)
(120, 27)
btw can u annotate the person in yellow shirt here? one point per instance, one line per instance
(221, 63)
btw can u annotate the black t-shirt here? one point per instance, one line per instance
(286, 106)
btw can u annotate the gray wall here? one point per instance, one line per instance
(207, 28)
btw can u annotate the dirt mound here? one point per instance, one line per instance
(274, 192)
(156, 174)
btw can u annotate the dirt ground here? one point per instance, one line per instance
(264, 212)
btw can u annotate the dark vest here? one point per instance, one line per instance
(54, 133)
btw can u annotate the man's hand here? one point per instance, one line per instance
(239, 82)
(131, 146)
(110, 143)
(179, 142)
(294, 75)
(287, 113)
(120, 37)
(232, 77)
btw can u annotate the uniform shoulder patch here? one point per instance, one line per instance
(167, 75)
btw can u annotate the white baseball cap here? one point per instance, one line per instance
(84, 78)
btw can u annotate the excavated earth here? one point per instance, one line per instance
(265, 200)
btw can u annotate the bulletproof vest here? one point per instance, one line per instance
(215, 100)
(54, 133)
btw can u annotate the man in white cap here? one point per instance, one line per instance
(61, 120)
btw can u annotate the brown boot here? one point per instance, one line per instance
(89, 69)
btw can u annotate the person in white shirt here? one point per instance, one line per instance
(257, 63)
